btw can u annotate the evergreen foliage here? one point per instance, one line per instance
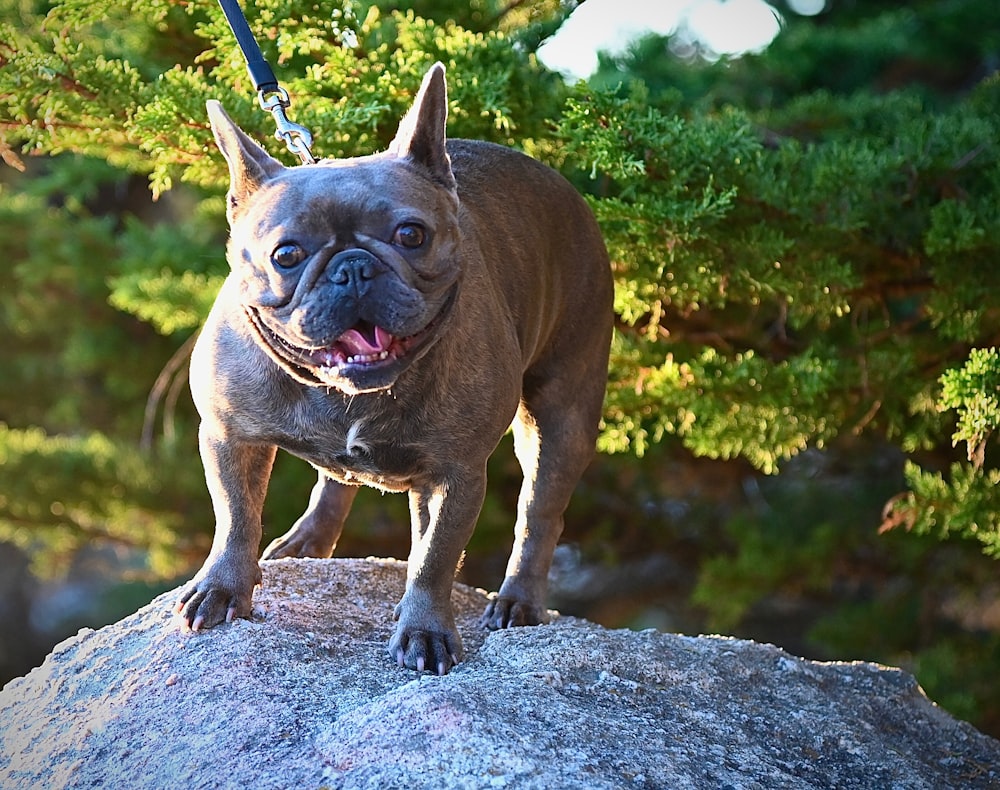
(804, 243)
(967, 503)
(806, 267)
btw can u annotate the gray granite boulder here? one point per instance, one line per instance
(305, 696)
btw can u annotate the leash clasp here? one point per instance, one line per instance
(297, 138)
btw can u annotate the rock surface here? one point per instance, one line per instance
(305, 696)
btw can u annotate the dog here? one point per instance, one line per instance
(388, 318)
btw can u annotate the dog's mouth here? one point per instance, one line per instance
(363, 344)
(366, 356)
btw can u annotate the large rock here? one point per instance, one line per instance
(305, 696)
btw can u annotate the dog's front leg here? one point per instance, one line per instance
(237, 475)
(442, 519)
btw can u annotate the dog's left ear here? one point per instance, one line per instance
(421, 134)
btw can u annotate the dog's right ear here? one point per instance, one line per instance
(421, 135)
(250, 166)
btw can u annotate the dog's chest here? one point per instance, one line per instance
(358, 449)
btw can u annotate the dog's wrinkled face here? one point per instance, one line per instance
(347, 268)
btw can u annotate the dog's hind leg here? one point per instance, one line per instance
(317, 531)
(555, 432)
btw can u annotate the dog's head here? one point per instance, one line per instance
(347, 268)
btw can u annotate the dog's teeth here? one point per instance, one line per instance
(360, 359)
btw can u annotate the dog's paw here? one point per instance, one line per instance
(217, 595)
(505, 612)
(420, 650)
(425, 636)
(298, 543)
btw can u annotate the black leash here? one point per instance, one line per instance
(271, 96)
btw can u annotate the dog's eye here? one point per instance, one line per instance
(285, 256)
(409, 235)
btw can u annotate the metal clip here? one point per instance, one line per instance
(297, 138)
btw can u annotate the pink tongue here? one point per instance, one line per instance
(356, 343)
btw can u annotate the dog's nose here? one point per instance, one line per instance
(353, 267)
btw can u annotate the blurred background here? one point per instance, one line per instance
(799, 199)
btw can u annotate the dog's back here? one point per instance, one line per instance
(549, 237)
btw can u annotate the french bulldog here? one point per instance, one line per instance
(388, 318)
